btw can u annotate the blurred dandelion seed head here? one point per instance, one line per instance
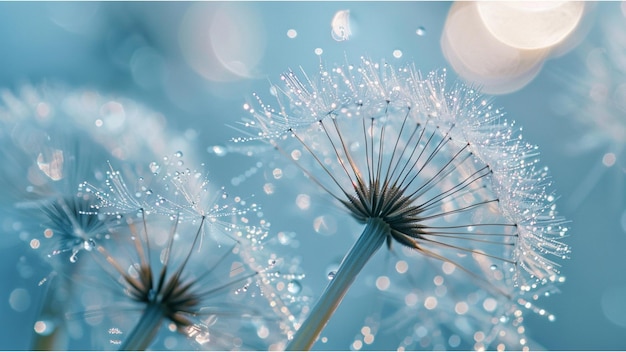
(594, 98)
(53, 138)
(450, 176)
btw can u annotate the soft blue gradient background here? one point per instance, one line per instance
(33, 49)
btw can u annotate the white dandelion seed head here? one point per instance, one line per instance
(52, 139)
(174, 186)
(183, 193)
(597, 102)
(437, 161)
(206, 295)
(593, 98)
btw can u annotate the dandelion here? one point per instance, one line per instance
(181, 192)
(595, 100)
(51, 139)
(42, 165)
(173, 188)
(434, 168)
(163, 275)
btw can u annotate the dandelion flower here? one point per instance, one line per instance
(594, 97)
(422, 164)
(173, 187)
(161, 274)
(52, 138)
(177, 190)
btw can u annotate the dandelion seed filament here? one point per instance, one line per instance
(432, 169)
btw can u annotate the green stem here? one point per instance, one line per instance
(369, 242)
(146, 329)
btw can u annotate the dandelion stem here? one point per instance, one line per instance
(146, 329)
(372, 238)
(55, 335)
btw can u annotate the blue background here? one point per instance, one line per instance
(93, 45)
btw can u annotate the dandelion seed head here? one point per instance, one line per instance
(445, 170)
(172, 187)
(203, 293)
(183, 193)
(594, 101)
(52, 139)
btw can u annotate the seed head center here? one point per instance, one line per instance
(389, 204)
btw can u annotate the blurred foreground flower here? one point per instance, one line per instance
(596, 98)
(51, 139)
(431, 167)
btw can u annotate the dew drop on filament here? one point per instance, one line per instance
(218, 150)
(89, 244)
(340, 24)
(154, 167)
(294, 287)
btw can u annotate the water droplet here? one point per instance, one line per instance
(154, 167)
(292, 33)
(341, 26)
(421, 31)
(178, 154)
(331, 275)
(294, 287)
(218, 150)
(493, 267)
(89, 244)
(285, 238)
